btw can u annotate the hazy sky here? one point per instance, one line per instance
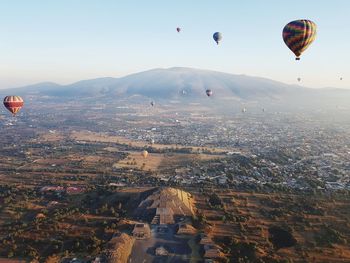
(68, 40)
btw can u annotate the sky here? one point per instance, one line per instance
(64, 41)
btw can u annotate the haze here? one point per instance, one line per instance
(66, 41)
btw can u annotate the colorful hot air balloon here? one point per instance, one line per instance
(217, 37)
(209, 92)
(298, 35)
(13, 103)
(144, 154)
(178, 29)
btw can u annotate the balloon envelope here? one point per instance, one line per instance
(13, 103)
(144, 154)
(217, 37)
(298, 35)
(209, 92)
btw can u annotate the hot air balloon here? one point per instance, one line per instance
(144, 154)
(217, 37)
(178, 29)
(13, 104)
(298, 35)
(209, 92)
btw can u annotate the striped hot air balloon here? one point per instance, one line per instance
(298, 35)
(13, 103)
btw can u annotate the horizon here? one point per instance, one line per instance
(168, 68)
(112, 39)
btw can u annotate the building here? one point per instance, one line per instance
(141, 231)
(186, 229)
(161, 251)
(166, 206)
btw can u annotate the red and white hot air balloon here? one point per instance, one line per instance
(13, 103)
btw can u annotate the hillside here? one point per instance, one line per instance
(186, 84)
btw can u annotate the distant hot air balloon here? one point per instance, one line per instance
(209, 92)
(299, 79)
(144, 154)
(13, 103)
(298, 35)
(217, 37)
(178, 29)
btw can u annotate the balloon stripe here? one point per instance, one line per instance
(298, 35)
(13, 103)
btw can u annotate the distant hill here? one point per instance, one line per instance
(183, 83)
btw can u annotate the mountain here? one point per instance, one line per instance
(188, 82)
(183, 83)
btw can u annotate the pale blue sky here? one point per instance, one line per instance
(69, 40)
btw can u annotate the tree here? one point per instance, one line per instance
(52, 259)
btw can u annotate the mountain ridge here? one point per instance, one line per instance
(178, 83)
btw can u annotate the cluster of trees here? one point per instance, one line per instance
(328, 236)
(239, 251)
(215, 201)
(281, 237)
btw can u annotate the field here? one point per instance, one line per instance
(67, 191)
(158, 162)
(99, 137)
(319, 226)
(313, 228)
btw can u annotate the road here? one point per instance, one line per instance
(144, 250)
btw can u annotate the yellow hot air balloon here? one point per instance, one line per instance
(144, 154)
